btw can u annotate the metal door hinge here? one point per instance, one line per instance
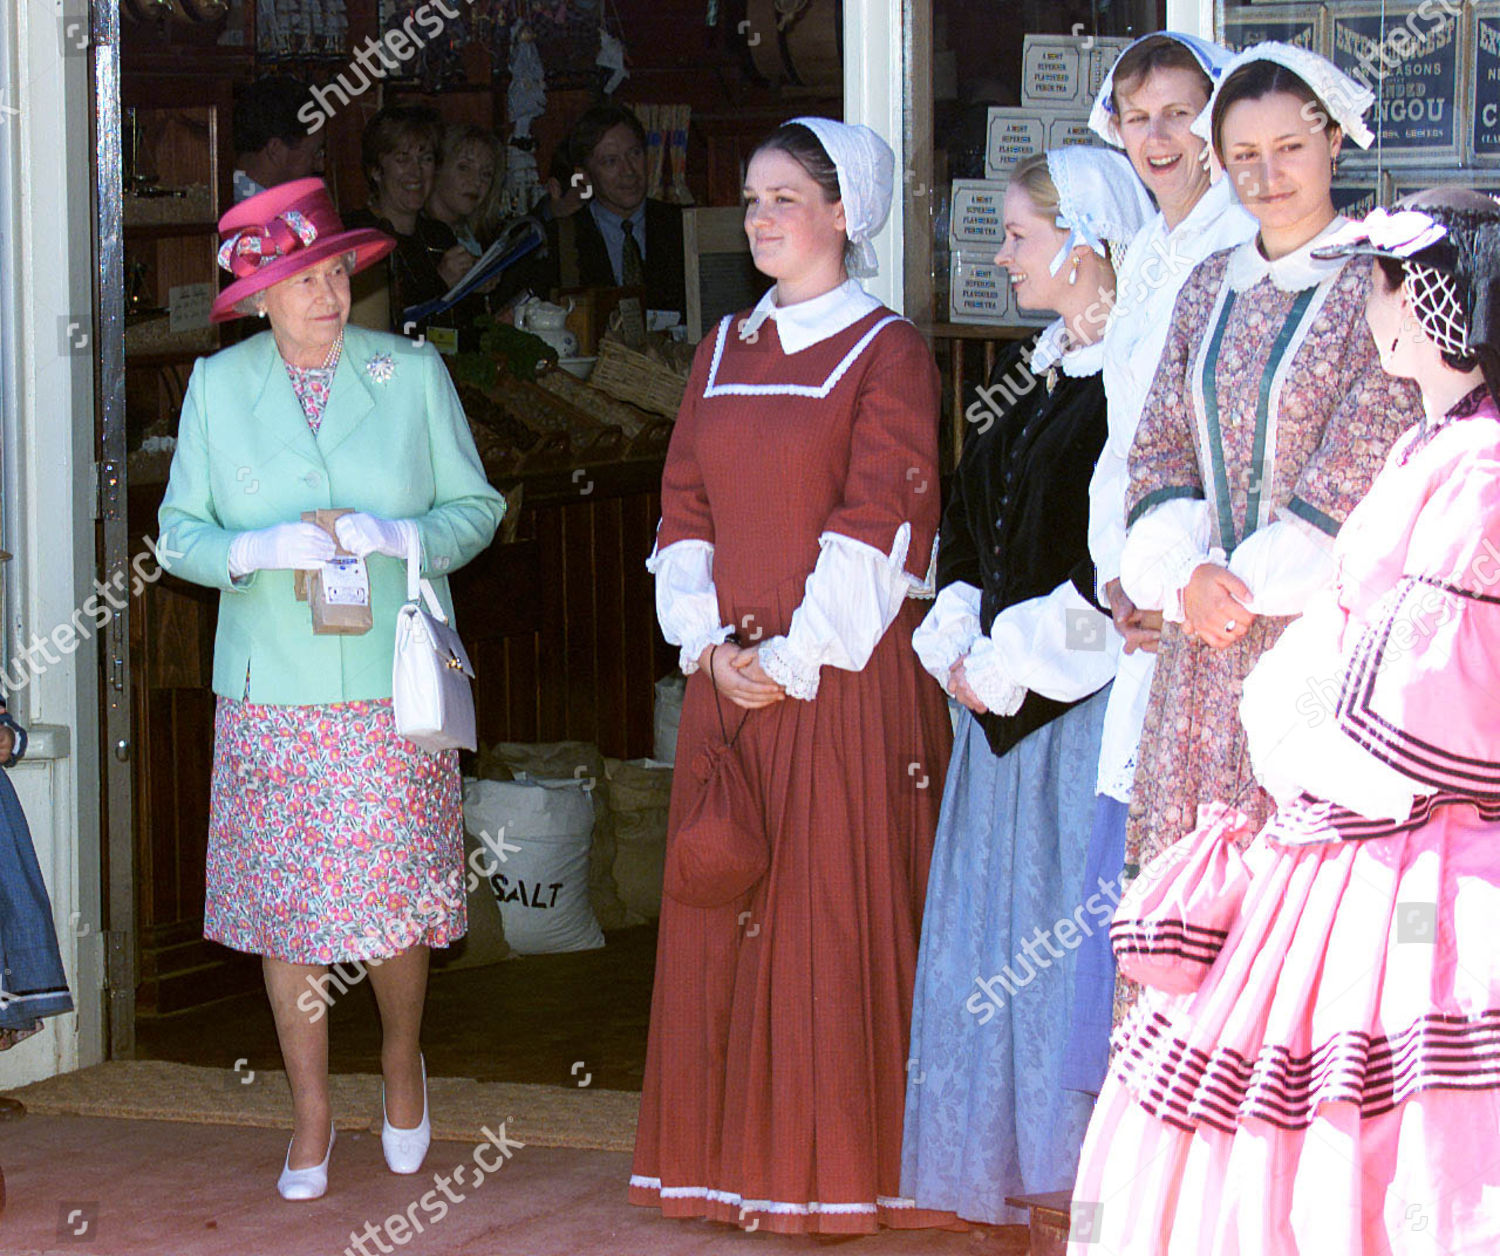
(106, 501)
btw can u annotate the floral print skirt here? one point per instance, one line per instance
(330, 836)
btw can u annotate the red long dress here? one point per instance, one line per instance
(775, 1072)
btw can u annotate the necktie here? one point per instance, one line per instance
(632, 265)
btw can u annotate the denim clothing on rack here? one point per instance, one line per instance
(32, 983)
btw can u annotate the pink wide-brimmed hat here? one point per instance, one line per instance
(285, 229)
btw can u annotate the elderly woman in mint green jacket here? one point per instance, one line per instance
(332, 839)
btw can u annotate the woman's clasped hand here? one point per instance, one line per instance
(1213, 605)
(737, 674)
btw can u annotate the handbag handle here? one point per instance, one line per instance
(419, 589)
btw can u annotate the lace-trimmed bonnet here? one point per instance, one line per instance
(1099, 198)
(1347, 101)
(1102, 119)
(1448, 241)
(867, 170)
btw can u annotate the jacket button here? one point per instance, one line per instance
(314, 478)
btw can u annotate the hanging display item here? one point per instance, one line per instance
(301, 29)
(525, 101)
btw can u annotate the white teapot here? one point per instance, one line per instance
(547, 321)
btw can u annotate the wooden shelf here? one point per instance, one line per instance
(976, 331)
(162, 230)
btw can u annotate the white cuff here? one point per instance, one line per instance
(408, 530)
(1287, 709)
(1058, 645)
(1162, 550)
(949, 630)
(984, 669)
(237, 567)
(796, 674)
(851, 597)
(1283, 564)
(687, 604)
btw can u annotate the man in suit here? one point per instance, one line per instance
(620, 238)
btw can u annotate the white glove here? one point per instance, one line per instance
(299, 545)
(363, 534)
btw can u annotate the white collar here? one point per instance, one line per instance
(1212, 205)
(1294, 272)
(1080, 362)
(808, 322)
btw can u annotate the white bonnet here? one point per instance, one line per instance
(867, 170)
(1099, 197)
(1212, 57)
(1347, 101)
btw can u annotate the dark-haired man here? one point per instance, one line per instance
(271, 144)
(620, 239)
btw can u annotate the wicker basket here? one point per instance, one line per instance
(632, 376)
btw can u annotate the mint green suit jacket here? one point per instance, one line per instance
(396, 447)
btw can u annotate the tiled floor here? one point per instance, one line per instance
(93, 1187)
(85, 1186)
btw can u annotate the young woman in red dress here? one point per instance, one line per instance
(799, 511)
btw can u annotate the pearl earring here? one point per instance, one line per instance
(1073, 272)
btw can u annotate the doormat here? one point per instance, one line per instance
(459, 1107)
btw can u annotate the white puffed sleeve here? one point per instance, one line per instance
(1283, 565)
(1288, 709)
(949, 629)
(852, 596)
(1058, 645)
(1162, 550)
(687, 604)
(1107, 516)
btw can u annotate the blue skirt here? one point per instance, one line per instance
(1087, 1057)
(987, 1114)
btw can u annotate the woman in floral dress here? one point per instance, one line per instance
(1268, 418)
(331, 838)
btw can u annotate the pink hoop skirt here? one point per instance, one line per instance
(1333, 1087)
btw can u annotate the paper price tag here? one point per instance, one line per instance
(346, 582)
(188, 306)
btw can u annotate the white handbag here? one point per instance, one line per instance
(431, 683)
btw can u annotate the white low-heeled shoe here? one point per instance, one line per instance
(305, 1183)
(406, 1149)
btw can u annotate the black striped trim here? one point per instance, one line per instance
(1158, 495)
(1456, 590)
(1309, 819)
(1167, 938)
(1187, 1087)
(1408, 754)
